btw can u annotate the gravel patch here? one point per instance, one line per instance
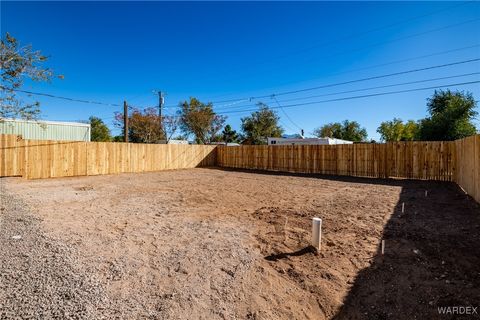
(40, 277)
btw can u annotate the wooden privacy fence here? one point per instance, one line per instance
(35, 159)
(467, 173)
(457, 161)
(415, 160)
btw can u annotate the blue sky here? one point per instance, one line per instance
(216, 51)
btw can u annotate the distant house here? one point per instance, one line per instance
(173, 141)
(228, 144)
(305, 141)
(46, 130)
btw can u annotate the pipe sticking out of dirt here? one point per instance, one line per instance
(316, 233)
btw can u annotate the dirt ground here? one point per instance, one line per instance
(217, 244)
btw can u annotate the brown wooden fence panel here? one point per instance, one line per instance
(54, 159)
(477, 168)
(36, 159)
(414, 160)
(11, 155)
(457, 161)
(467, 159)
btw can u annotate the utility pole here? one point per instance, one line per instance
(160, 103)
(161, 100)
(125, 121)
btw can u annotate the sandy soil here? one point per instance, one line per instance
(215, 244)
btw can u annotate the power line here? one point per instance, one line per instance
(285, 125)
(358, 97)
(348, 98)
(315, 102)
(312, 88)
(373, 78)
(64, 98)
(245, 99)
(286, 114)
(372, 88)
(356, 80)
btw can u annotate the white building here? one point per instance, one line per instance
(228, 144)
(173, 141)
(305, 141)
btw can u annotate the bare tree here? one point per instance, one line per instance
(170, 125)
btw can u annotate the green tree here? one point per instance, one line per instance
(346, 130)
(18, 63)
(229, 135)
(396, 130)
(99, 130)
(199, 119)
(451, 115)
(411, 130)
(331, 130)
(260, 125)
(119, 138)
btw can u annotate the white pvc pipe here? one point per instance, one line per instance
(383, 247)
(426, 193)
(316, 233)
(403, 207)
